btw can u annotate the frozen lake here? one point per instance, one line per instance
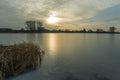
(72, 56)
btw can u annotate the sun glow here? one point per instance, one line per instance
(52, 19)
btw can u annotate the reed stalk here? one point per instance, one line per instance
(18, 58)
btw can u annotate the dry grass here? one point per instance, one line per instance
(15, 59)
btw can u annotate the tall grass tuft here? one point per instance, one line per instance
(18, 58)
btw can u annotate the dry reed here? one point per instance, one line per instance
(18, 58)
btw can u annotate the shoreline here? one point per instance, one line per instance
(67, 32)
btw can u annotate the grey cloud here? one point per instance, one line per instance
(13, 13)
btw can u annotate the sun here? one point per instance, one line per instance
(52, 19)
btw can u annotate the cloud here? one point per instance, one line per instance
(109, 16)
(15, 12)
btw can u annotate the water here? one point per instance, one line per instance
(72, 56)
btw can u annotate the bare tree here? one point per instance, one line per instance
(34, 25)
(30, 25)
(112, 29)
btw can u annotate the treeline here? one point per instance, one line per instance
(32, 26)
(43, 30)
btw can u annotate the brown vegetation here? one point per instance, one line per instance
(15, 59)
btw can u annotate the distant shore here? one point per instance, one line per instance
(57, 32)
(41, 29)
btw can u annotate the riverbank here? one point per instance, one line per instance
(19, 58)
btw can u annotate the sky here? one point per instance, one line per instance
(73, 14)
